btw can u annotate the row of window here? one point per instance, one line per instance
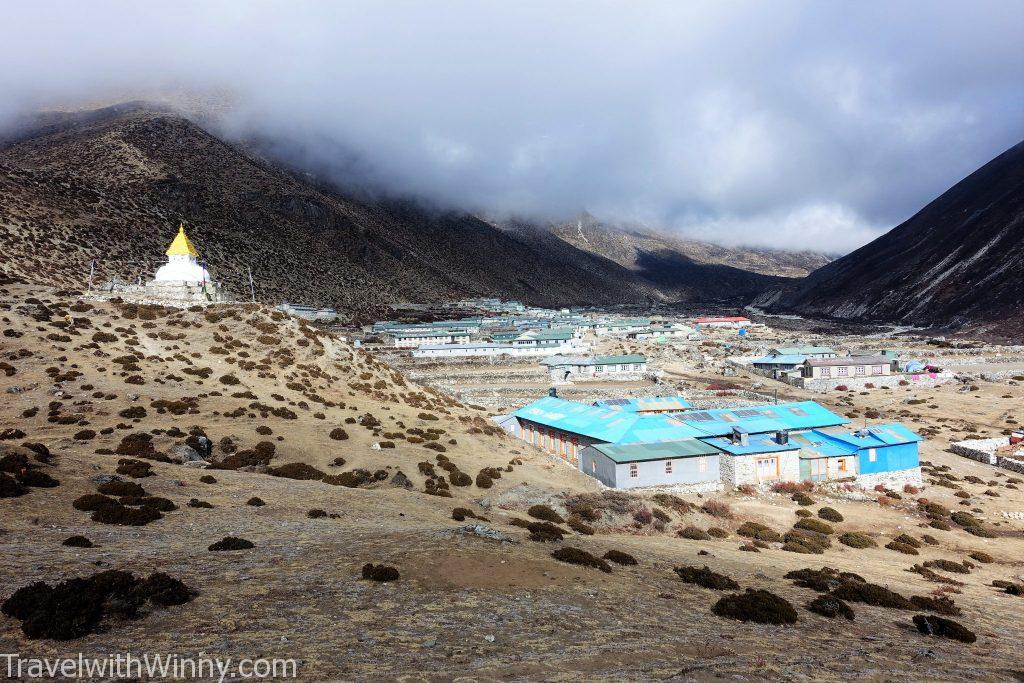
(702, 466)
(624, 367)
(844, 371)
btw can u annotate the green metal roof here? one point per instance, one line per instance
(612, 360)
(664, 450)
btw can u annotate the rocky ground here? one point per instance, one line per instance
(475, 598)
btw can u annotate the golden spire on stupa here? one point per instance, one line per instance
(182, 245)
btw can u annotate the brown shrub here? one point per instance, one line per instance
(706, 577)
(255, 501)
(831, 607)
(125, 516)
(931, 625)
(856, 539)
(815, 525)
(231, 543)
(717, 508)
(759, 532)
(379, 572)
(758, 606)
(619, 557)
(580, 557)
(871, 594)
(338, 434)
(297, 470)
(77, 542)
(121, 488)
(830, 515)
(546, 513)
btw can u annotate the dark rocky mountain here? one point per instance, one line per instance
(110, 186)
(957, 262)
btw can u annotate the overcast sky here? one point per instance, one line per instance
(795, 124)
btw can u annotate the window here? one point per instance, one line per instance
(633, 473)
(636, 366)
(593, 466)
(843, 371)
(624, 367)
(872, 455)
(768, 468)
(859, 370)
(876, 369)
(842, 464)
(668, 467)
(598, 368)
(826, 371)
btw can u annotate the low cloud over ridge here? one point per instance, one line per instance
(789, 124)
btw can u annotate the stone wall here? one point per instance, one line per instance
(895, 479)
(982, 450)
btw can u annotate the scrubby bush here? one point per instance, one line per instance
(121, 488)
(74, 608)
(831, 607)
(208, 479)
(546, 513)
(715, 532)
(871, 594)
(619, 557)
(136, 469)
(125, 516)
(232, 543)
(941, 604)
(802, 499)
(196, 503)
(255, 501)
(806, 542)
(544, 532)
(379, 572)
(77, 542)
(815, 525)
(982, 557)
(694, 534)
(759, 531)
(338, 434)
(459, 478)
(855, 539)
(803, 512)
(580, 557)
(579, 526)
(156, 502)
(706, 577)
(822, 580)
(92, 501)
(931, 625)
(483, 480)
(830, 515)
(297, 470)
(907, 539)
(717, 508)
(949, 566)
(902, 548)
(758, 606)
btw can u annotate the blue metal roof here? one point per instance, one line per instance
(603, 424)
(785, 360)
(814, 444)
(646, 403)
(756, 443)
(619, 426)
(875, 436)
(759, 419)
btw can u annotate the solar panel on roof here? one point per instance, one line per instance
(747, 412)
(699, 417)
(617, 402)
(799, 411)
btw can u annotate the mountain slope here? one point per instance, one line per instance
(112, 185)
(683, 269)
(627, 245)
(960, 260)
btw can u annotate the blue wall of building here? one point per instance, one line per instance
(889, 458)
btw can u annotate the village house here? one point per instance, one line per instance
(776, 366)
(415, 338)
(606, 327)
(722, 321)
(805, 351)
(570, 368)
(757, 445)
(846, 366)
(688, 464)
(542, 338)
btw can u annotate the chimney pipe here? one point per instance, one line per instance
(552, 392)
(782, 437)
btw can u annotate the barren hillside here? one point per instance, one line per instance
(353, 464)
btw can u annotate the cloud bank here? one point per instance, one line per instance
(806, 125)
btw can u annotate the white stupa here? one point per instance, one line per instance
(182, 265)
